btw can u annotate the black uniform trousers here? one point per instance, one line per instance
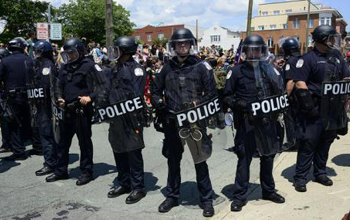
(80, 124)
(47, 140)
(130, 169)
(172, 143)
(245, 148)
(16, 130)
(314, 146)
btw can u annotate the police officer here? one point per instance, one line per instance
(128, 80)
(6, 146)
(292, 54)
(240, 89)
(12, 74)
(76, 84)
(322, 116)
(171, 88)
(38, 91)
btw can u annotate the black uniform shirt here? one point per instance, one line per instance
(313, 67)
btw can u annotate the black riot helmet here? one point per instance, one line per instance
(291, 47)
(17, 44)
(254, 49)
(74, 49)
(43, 48)
(123, 45)
(327, 35)
(182, 43)
(4, 53)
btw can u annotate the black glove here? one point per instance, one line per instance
(240, 105)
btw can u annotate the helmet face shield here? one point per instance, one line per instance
(38, 51)
(114, 53)
(254, 53)
(70, 55)
(334, 41)
(182, 47)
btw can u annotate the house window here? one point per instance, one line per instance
(285, 26)
(160, 36)
(270, 42)
(296, 23)
(325, 20)
(311, 23)
(215, 38)
(264, 13)
(149, 37)
(261, 28)
(276, 12)
(137, 38)
(288, 10)
(252, 28)
(273, 26)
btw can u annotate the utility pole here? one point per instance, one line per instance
(109, 23)
(197, 30)
(307, 27)
(249, 20)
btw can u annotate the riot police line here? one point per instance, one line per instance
(271, 109)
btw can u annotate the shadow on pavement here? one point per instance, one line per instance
(227, 191)
(73, 158)
(7, 165)
(289, 172)
(342, 160)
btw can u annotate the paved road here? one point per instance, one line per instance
(25, 196)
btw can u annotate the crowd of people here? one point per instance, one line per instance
(275, 103)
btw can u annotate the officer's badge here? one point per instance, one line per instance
(208, 66)
(46, 71)
(229, 74)
(287, 67)
(138, 72)
(338, 61)
(98, 68)
(300, 63)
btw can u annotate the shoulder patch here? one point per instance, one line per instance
(138, 72)
(229, 74)
(46, 71)
(98, 68)
(207, 65)
(300, 63)
(287, 67)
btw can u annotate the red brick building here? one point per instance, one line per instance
(148, 33)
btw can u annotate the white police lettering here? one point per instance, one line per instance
(207, 65)
(272, 104)
(336, 88)
(120, 108)
(199, 113)
(36, 93)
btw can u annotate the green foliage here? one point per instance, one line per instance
(86, 18)
(161, 42)
(21, 16)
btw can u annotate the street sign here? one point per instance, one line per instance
(56, 31)
(2, 25)
(42, 31)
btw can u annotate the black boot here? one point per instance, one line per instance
(135, 196)
(84, 179)
(44, 171)
(167, 205)
(236, 205)
(208, 209)
(54, 177)
(118, 191)
(274, 197)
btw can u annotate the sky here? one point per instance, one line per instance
(227, 13)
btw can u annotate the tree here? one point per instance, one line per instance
(160, 42)
(21, 17)
(86, 18)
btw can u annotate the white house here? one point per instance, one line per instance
(220, 36)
